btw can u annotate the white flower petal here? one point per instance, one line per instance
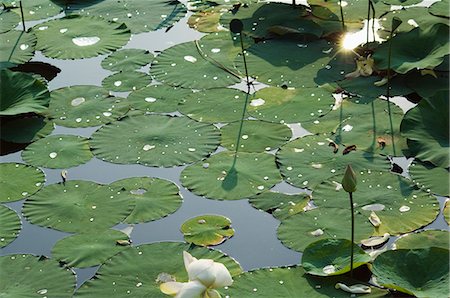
(171, 287)
(188, 259)
(223, 276)
(192, 289)
(212, 294)
(355, 289)
(203, 271)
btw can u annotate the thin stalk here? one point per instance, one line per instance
(388, 91)
(342, 15)
(23, 18)
(373, 18)
(353, 234)
(368, 19)
(245, 61)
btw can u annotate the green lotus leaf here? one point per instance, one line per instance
(206, 230)
(34, 10)
(138, 271)
(207, 20)
(298, 231)
(127, 60)
(255, 136)
(400, 207)
(10, 225)
(401, 2)
(428, 85)
(138, 15)
(126, 81)
(427, 128)
(280, 205)
(8, 20)
(223, 177)
(431, 178)
(157, 98)
(185, 66)
(89, 249)
(418, 272)
(440, 8)
(416, 49)
(215, 105)
(25, 130)
(21, 93)
(78, 206)
(58, 152)
(446, 211)
(30, 276)
(307, 161)
(155, 198)
(76, 37)
(424, 239)
(327, 257)
(155, 140)
(84, 106)
(18, 181)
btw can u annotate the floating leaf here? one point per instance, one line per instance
(8, 20)
(446, 211)
(17, 46)
(205, 230)
(30, 276)
(207, 20)
(401, 2)
(281, 205)
(430, 178)
(10, 225)
(58, 152)
(137, 271)
(440, 8)
(155, 140)
(126, 81)
(34, 10)
(127, 60)
(256, 136)
(84, 106)
(88, 249)
(19, 181)
(219, 177)
(76, 37)
(78, 206)
(424, 239)
(155, 198)
(25, 130)
(418, 272)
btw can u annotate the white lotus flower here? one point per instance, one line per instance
(205, 276)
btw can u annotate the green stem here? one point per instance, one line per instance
(342, 15)
(23, 18)
(368, 18)
(353, 234)
(388, 91)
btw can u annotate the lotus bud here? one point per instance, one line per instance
(349, 180)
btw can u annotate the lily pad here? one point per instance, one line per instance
(78, 206)
(8, 20)
(332, 257)
(207, 20)
(19, 181)
(440, 8)
(402, 208)
(424, 239)
(157, 98)
(126, 81)
(25, 130)
(84, 106)
(127, 60)
(223, 177)
(135, 271)
(185, 66)
(155, 140)
(280, 205)
(398, 269)
(256, 136)
(401, 2)
(17, 46)
(21, 93)
(155, 198)
(10, 225)
(290, 105)
(76, 37)
(206, 230)
(298, 231)
(427, 128)
(215, 105)
(446, 211)
(89, 249)
(430, 178)
(58, 152)
(34, 10)
(30, 276)
(307, 161)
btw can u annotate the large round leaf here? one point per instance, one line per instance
(31, 276)
(185, 66)
(138, 271)
(427, 128)
(10, 225)
(26, 130)
(205, 230)
(34, 10)
(430, 178)
(21, 93)
(75, 37)
(280, 205)
(154, 197)
(17, 46)
(424, 239)
(8, 20)
(446, 211)
(332, 257)
(126, 81)
(307, 161)
(155, 140)
(78, 206)
(299, 230)
(127, 60)
(440, 8)
(58, 151)
(83, 106)
(224, 177)
(89, 249)
(18, 181)
(419, 272)
(255, 135)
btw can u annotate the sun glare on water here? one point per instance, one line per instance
(353, 39)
